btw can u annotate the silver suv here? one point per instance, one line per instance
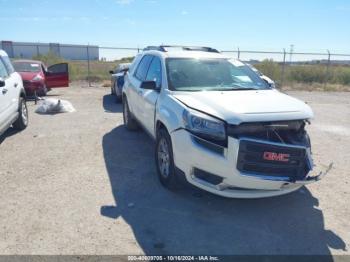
(13, 107)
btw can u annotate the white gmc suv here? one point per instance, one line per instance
(217, 123)
(13, 108)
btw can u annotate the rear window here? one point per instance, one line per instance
(26, 67)
(143, 67)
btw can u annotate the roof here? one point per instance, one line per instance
(183, 52)
(27, 61)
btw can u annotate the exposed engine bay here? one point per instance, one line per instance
(285, 132)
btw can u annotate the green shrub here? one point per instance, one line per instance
(307, 74)
(270, 69)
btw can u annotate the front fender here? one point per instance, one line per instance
(169, 112)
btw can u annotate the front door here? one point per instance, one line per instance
(149, 97)
(57, 76)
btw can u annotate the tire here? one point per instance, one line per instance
(118, 98)
(129, 121)
(43, 92)
(165, 160)
(112, 90)
(22, 120)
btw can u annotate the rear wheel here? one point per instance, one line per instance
(129, 121)
(118, 98)
(112, 90)
(22, 120)
(165, 160)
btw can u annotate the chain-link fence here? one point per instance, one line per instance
(310, 70)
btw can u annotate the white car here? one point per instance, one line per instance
(13, 108)
(220, 126)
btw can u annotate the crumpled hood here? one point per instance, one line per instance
(28, 75)
(236, 107)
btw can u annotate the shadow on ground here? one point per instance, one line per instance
(110, 104)
(191, 221)
(195, 222)
(8, 133)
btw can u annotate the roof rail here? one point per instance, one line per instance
(164, 48)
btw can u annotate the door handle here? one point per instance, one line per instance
(4, 91)
(140, 92)
(16, 84)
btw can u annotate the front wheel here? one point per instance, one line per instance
(22, 120)
(165, 160)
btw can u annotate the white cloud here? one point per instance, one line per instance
(184, 12)
(124, 2)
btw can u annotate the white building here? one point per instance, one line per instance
(70, 52)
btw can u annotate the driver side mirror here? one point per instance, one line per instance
(151, 85)
(2, 82)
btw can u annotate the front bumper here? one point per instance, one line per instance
(192, 154)
(33, 86)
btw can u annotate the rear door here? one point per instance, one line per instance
(149, 98)
(57, 76)
(135, 92)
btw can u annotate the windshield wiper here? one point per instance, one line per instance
(233, 89)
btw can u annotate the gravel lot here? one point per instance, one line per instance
(81, 184)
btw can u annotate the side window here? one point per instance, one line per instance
(8, 64)
(155, 72)
(142, 69)
(3, 70)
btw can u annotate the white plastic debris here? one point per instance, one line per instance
(54, 106)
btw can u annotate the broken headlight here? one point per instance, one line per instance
(204, 125)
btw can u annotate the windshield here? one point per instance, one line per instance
(191, 74)
(26, 67)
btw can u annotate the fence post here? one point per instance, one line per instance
(37, 49)
(88, 63)
(328, 69)
(238, 53)
(283, 67)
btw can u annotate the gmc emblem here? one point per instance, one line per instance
(271, 156)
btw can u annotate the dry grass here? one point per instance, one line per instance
(106, 83)
(316, 87)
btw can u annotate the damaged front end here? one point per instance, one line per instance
(278, 151)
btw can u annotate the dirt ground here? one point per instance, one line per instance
(80, 183)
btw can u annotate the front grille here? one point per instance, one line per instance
(251, 160)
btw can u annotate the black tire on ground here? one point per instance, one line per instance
(118, 98)
(22, 120)
(165, 160)
(129, 120)
(112, 90)
(43, 92)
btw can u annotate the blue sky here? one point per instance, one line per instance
(313, 25)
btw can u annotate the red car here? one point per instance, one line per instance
(39, 79)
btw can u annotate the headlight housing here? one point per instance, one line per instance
(204, 126)
(37, 78)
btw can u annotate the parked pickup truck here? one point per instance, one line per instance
(218, 123)
(13, 107)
